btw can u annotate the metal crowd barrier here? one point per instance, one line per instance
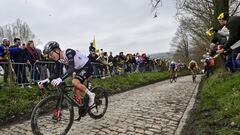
(25, 74)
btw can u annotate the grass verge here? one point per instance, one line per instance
(217, 109)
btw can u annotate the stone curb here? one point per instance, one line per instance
(186, 113)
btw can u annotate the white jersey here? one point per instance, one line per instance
(79, 59)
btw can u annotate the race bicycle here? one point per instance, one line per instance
(55, 113)
(194, 73)
(173, 76)
(194, 76)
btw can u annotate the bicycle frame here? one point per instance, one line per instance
(62, 92)
(62, 102)
(173, 73)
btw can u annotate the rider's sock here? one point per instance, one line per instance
(89, 93)
(91, 97)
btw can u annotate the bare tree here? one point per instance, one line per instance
(17, 29)
(156, 3)
(234, 7)
(195, 18)
(180, 44)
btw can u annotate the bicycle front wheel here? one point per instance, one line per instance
(48, 119)
(194, 78)
(99, 108)
(171, 78)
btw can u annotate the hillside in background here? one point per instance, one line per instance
(161, 55)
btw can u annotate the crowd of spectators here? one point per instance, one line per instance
(225, 43)
(107, 64)
(18, 57)
(24, 63)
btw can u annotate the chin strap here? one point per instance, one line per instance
(58, 54)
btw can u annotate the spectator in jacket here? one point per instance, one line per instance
(33, 57)
(4, 58)
(19, 58)
(92, 49)
(110, 63)
(233, 25)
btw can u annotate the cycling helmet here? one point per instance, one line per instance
(223, 16)
(173, 62)
(50, 46)
(204, 56)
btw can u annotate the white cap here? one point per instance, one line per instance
(204, 56)
(212, 45)
(5, 39)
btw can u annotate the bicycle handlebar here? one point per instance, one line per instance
(62, 85)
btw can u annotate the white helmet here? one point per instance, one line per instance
(204, 56)
(172, 62)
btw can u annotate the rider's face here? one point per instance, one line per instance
(222, 22)
(53, 55)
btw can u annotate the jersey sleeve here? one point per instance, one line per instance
(70, 53)
(56, 72)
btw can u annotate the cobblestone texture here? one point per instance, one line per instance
(153, 109)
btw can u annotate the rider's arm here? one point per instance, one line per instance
(197, 66)
(189, 64)
(70, 55)
(176, 67)
(233, 26)
(56, 72)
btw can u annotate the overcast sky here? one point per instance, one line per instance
(118, 25)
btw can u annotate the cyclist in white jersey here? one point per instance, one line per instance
(76, 62)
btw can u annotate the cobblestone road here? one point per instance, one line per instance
(153, 109)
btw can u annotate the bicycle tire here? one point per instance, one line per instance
(101, 98)
(194, 78)
(35, 115)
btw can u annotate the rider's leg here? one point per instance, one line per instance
(78, 87)
(175, 73)
(192, 72)
(76, 95)
(171, 73)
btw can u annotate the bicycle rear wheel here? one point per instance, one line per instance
(194, 78)
(45, 120)
(99, 108)
(171, 78)
(175, 78)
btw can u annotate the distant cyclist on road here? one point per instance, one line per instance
(173, 69)
(193, 67)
